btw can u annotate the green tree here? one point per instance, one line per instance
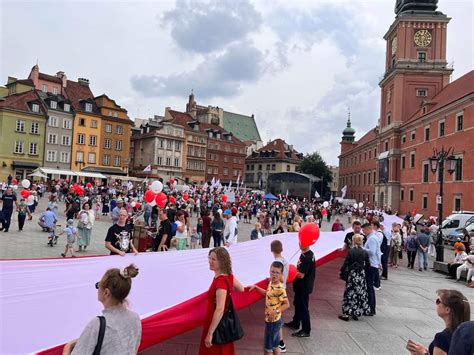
(315, 165)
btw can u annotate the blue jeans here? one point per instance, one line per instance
(272, 335)
(422, 255)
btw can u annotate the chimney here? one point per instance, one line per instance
(61, 75)
(83, 81)
(34, 75)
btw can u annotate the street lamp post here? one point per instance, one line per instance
(437, 161)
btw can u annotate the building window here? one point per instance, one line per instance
(288, 168)
(88, 107)
(33, 149)
(34, 128)
(427, 134)
(93, 123)
(66, 140)
(177, 146)
(52, 139)
(176, 162)
(421, 92)
(159, 160)
(404, 139)
(441, 129)
(119, 129)
(424, 202)
(273, 167)
(19, 147)
(117, 160)
(45, 88)
(268, 166)
(93, 141)
(53, 121)
(67, 107)
(169, 144)
(118, 145)
(386, 145)
(91, 158)
(410, 195)
(412, 159)
(458, 171)
(389, 119)
(403, 162)
(421, 57)
(168, 161)
(457, 203)
(459, 122)
(65, 157)
(226, 171)
(55, 90)
(35, 108)
(370, 155)
(426, 171)
(402, 194)
(209, 170)
(108, 128)
(107, 143)
(51, 155)
(20, 126)
(67, 124)
(368, 178)
(80, 157)
(259, 166)
(106, 159)
(82, 122)
(413, 135)
(81, 138)
(54, 105)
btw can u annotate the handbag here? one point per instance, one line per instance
(81, 225)
(229, 328)
(101, 336)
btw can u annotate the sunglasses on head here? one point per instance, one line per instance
(438, 301)
(97, 284)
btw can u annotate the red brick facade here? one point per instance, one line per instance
(420, 111)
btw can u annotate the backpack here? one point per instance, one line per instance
(174, 228)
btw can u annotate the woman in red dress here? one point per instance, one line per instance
(218, 301)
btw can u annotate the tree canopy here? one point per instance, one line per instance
(315, 165)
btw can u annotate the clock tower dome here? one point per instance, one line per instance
(415, 66)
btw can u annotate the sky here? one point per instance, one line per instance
(298, 65)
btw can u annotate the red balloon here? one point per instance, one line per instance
(224, 198)
(15, 181)
(138, 205)
(161, 199)
(172, 199)
(149, 196)
(291, 273)
(324, 212)
(89, 185)
(25, 194)
(185, 196)
(413, 213)
(171, 181)
(308, 234)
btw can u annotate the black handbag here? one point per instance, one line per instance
(101, 336)
(229, 328)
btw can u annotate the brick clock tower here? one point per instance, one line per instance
(415, 71)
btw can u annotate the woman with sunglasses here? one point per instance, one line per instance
(123, 327)
(453, 307)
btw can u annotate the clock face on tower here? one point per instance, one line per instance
(422, 38)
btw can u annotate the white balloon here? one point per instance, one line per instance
(25, 183)
(355, 205)
(294, 207)
(325, 204)
(361, 204)
(175, 183)
(15, 187)
(219, 211)
(156, 186)
(133, 204)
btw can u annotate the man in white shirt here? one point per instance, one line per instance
(230, 230)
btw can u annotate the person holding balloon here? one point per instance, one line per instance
(8, 200)
(304, 281)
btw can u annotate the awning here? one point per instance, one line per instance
(91, 175)
(126, 178)
(38, 174)
(24, 164)
(105, 170)
(383, 155)
(56, 171)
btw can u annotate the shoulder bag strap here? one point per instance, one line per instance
(101, 335)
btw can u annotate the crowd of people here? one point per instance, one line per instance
(371, 251)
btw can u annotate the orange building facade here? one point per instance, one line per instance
(420, 111)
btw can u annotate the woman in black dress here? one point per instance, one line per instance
(355, 303)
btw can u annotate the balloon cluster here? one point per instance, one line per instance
(78, 189)
(155, 196)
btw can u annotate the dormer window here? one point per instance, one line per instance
(210, 134)
(218, 135)
(229, 137)
(55, 90)
(54, 105)
(35, 108)
(196, 127)
(88, 107)
(67, 107)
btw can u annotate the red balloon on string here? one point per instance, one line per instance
(149, 196)
(171, 181)
(25, 194)
(159, 198)
(89, 185)
(308, 234)
(138, 205)
(172, 199)
(185, 196)
(324, 212)
(291, 273)
(15, 181)
(413, 213)
(224, 198)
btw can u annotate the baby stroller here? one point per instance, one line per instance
(53, 235)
